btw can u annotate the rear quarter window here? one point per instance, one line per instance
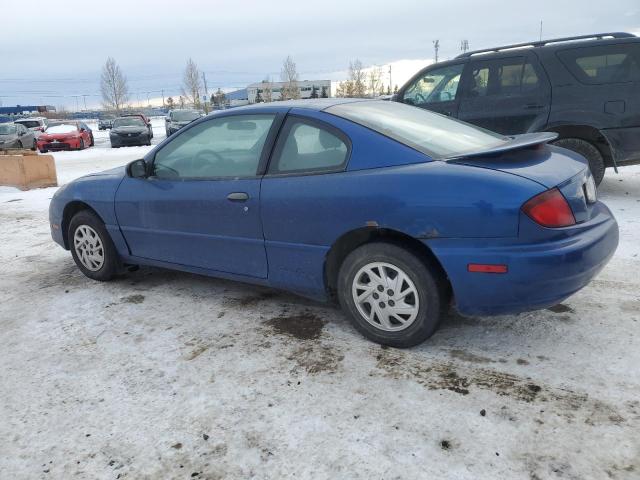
(603, 64)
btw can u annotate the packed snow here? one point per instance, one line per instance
(161, 374)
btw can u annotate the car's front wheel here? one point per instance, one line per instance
(393, 296)
(91, 247)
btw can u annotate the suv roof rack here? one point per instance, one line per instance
(542, 43)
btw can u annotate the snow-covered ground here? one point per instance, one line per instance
(169, 375)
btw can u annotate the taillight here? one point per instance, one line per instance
(550, 209)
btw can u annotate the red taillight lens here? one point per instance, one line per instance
(550, 209)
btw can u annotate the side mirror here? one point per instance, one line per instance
(137, 169)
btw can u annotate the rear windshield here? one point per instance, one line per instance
(430, 133)
(128, 122)
(7, 129)
(29, 123)
(187, 116)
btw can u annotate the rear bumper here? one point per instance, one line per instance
(540, 274)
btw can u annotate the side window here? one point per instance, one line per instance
(605, 64)
(479, 81)
(226, 147)
(308, 147)
(437, 85)
(506, 76)
(530, 79)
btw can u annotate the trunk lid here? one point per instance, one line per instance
(550, 166)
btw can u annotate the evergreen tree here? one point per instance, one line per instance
(314, 92)
(395, 89)
(258, 96)
(323, 93)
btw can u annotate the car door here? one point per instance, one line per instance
(435, 89)
(509, 95)
(200, 206)
(307, 157)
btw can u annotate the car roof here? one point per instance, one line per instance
(557, 43)
(316, 104)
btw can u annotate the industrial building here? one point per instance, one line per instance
(305, 87)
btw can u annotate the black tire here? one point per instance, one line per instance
(111, 260)
(587, 150)
(430, 290)
(81, 147)
(20, 144)
(92, 141)
(43, 151)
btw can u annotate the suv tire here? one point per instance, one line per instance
(587, 150)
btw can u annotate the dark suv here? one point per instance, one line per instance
(587, 89)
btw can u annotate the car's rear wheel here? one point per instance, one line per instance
(392, 296)
(91, 247)
(587, 150)
(92, 141)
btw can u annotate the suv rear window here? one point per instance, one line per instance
(603, 64)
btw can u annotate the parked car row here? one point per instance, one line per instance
(586, 89)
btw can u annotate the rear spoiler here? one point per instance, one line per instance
(514, 142)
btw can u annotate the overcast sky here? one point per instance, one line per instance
(50, 50)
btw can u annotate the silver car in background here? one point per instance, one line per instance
(15, 135)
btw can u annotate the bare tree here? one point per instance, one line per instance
(113, 85)
(355, 85)
(289, 75)
(374, 80)
(267, 90)
(192, 83)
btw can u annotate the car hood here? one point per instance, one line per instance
(131, 129)
(113, 172)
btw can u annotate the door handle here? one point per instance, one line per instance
(238, 197)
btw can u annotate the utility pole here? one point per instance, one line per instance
(464, 45)
(206, 90)
(540, 30)
(163, 98)
(436, 47)
(390, 82)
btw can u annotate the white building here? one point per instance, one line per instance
(305, 87)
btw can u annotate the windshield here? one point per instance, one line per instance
(128, 122)
(62, 128)
(430, 133)
(186, 116)
(7, 129)
(29, 123)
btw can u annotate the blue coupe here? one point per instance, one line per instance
(393, 211)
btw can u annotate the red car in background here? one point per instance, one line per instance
(65, 135)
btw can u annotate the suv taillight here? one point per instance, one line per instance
(550, 209)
